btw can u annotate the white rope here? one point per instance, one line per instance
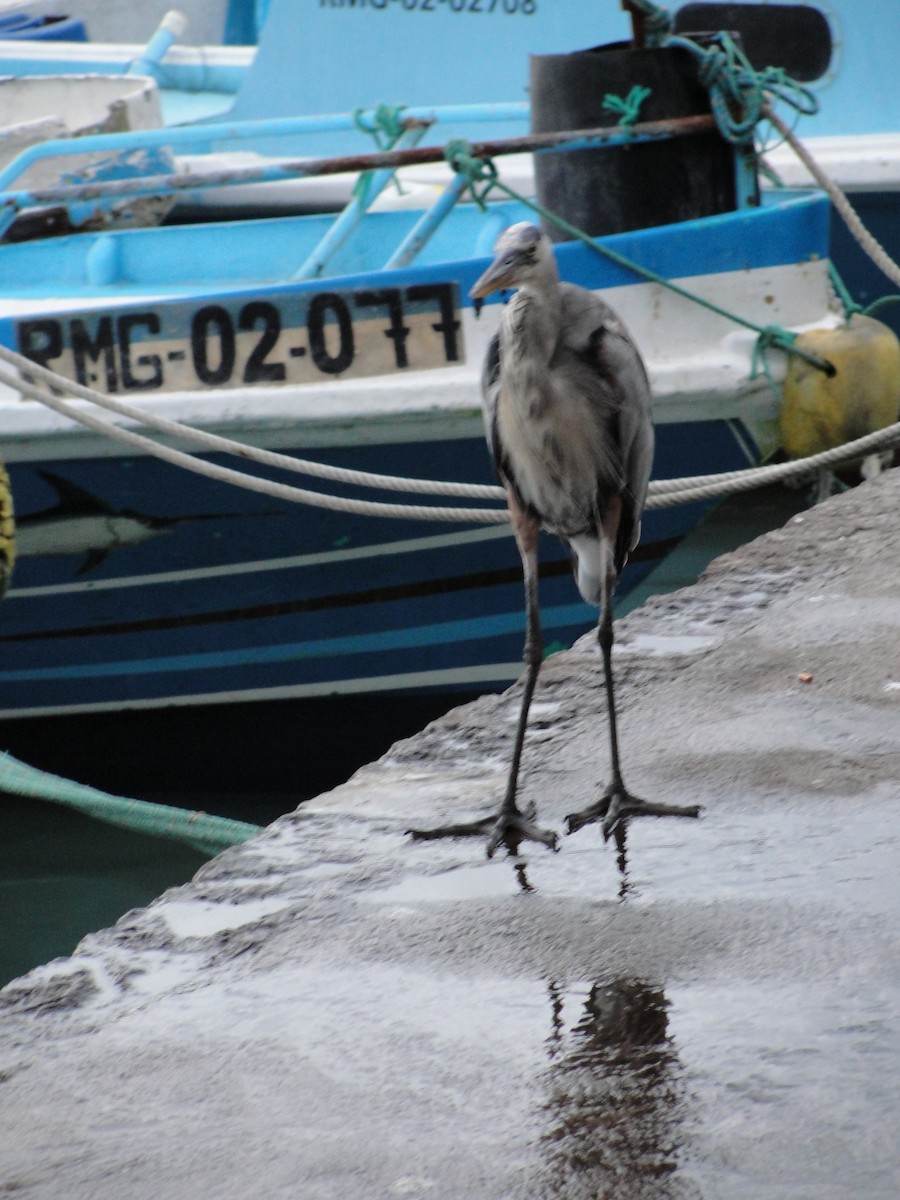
(869, 244)
(662, 493)
(268, 458)
(178, 458)
(705, 487)
(726, 482)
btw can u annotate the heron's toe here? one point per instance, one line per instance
(513, 828)
(587, 816)
(623, 805)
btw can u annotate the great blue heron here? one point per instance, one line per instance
(567, 415)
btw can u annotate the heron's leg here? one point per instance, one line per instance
(510, 825)
(617, 803)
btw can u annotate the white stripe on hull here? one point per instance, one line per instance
(294, 562)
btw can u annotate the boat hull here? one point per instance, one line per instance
(138, 585)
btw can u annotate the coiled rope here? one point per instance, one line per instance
(739, 94)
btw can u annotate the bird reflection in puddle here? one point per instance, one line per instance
(616, 1100)
(522, 877)
(626, 884)
(620, 834)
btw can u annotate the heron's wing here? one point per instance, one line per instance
(490, 390)
(597, 336)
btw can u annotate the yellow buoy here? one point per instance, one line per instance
(7, 531)
(820, 412)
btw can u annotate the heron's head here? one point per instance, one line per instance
(522, 256)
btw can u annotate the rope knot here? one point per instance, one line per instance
(769, 337)
(737, 92)
(386, 125)
(481, 174)
(712, 67)
(778, 338)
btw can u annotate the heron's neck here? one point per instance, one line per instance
(532, 327)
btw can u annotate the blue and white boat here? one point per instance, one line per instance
(141, 585)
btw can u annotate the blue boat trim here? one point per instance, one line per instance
(377, 322)
(410, 637)
(417, 589)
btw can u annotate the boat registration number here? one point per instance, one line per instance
(290, 338)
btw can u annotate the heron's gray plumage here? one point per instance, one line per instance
(567, 415)
(567, 410)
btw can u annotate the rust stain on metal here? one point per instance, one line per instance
(352, 163)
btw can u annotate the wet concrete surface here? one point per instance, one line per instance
(333, 1012)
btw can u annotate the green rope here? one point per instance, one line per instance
(759, 363)
(481, 174)
(628, 109)
(879, 303)
(483, 177)
(848, 304)
(737, 92)
(386, 128)
(208, 834)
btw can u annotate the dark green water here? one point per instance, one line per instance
(63, 875)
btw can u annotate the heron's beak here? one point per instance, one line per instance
(499, 275)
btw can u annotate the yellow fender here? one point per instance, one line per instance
(863, 395)
(7, 531)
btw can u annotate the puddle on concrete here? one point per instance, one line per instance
(478, 882)
(663, 645)
(375, 1077)
(772, 851)
(533, 1089)
(778, 852)
(198, 918)
(754, 1082)
(616, 1106)
(453, 1087)
(792, 1087)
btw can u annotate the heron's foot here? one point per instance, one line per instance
(507, 828)
(617, 805)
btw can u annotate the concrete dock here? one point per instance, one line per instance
(334, 1013)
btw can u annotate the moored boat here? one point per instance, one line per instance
(141, 585)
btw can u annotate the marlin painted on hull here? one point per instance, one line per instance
(82, 524)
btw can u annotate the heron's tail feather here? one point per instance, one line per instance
(591, 566)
